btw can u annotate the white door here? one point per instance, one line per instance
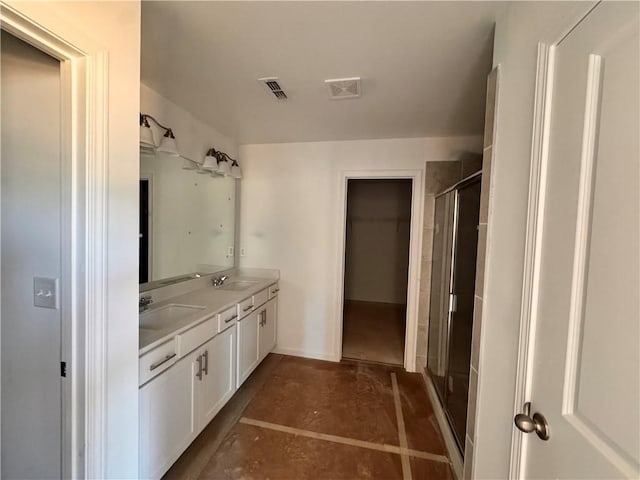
(248, 347)
(267, 319)
(31, 247)
(585, 371)
(167, 417)
(219, 380)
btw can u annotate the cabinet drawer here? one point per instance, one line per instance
(193, 338)
(273, 291)
(261, 297)
(245, 307)
(156, 361)
(227, 318)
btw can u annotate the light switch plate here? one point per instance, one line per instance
(45, 292)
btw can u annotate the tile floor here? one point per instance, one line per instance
(374, 332)
(303, 419)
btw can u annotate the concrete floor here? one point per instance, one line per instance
(374, 332)
(303, 419)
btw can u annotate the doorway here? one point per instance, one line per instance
(376, 267)
(144, 266)
(34, 296)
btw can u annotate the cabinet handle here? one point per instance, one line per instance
(199, 374)
(247, 308)
(231, 318)
(275, 291)
(205, 369)
(164, 360)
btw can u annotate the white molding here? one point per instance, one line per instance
(299, 352)
(579, 276)
(85, 124)
(96, 179)
(457, 462)
(533, 245)
(415, 246)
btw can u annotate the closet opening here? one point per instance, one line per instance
(376, 268)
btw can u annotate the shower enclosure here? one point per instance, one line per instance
(452, 291)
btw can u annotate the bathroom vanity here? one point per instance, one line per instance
(198, 344)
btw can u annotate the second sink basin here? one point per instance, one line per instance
(162, 317)
(237, 285)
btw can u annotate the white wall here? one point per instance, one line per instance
(378, 229)
(289, 215)
(517, 35)
(113, 27)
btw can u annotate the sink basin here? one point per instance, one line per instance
(160, 318)
(237, 285)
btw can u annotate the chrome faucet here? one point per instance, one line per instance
(218, 281)
(144, 302)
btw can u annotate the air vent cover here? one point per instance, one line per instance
(273, 87)
(340, 88)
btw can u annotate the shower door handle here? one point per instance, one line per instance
(453, 302)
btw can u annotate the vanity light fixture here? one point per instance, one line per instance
(236, 172)
(220, 164)
(167, 142)
(147, 145)
(210, 162)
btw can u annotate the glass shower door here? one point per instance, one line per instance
(437, 349)
(461, 320)
(453, 272)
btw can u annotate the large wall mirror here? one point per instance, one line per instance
(187, 221)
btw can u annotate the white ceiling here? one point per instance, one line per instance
(423, 66)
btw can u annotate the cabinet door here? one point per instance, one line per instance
(248, 348)
(267, 321)
(166, 418)
(218, 382)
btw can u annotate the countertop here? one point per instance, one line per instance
(213, 299)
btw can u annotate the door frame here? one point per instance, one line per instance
(84, 153)
(534, 227)
(415, 248)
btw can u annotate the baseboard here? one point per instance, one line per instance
(457, 462)
(294, 352)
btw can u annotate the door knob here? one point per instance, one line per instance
(528, 424)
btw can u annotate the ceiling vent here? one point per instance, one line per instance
(272, 86)
(340, 88)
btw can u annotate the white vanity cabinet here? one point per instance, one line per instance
(176, 405)
(187, 379)
(167, 424)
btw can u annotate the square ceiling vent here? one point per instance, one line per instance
(342, 88)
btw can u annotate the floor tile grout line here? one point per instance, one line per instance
(381, 447)
(402, 433)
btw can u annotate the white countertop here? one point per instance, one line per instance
(213, 299)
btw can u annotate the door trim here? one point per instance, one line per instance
(415, 245)
(84, 74)
(533, 245)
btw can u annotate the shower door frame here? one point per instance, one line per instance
(442, 396)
